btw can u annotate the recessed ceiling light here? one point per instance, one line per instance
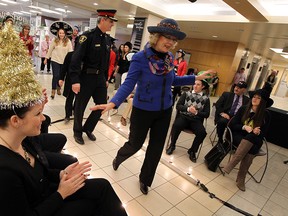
(95, 3)
(215, 36)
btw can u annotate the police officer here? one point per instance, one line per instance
(90, 79)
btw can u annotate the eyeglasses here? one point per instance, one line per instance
(169, 37)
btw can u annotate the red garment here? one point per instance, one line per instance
(29, 46)
(182, 67)
(112, 62)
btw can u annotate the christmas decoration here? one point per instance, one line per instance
(18, 86)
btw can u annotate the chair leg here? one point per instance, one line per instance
(212, 136)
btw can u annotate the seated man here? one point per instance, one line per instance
(193, 107)
(227, 106)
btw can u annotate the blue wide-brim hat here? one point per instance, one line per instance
(55, 26)
(264, 95)
(168, 26)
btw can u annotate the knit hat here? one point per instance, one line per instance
(18, 86)
(168, 26)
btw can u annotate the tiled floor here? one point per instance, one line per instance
(174, 193)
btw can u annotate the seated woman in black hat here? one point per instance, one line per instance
(27, 186)
(249, 126)
(153, 71)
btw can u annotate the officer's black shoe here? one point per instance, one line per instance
(115, 164)
(79, 139)
(90, 135)
(143, 188)
(192, 156)
(170, 150)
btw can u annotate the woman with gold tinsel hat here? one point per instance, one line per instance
(27, 186)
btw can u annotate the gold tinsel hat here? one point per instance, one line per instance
(18, 86)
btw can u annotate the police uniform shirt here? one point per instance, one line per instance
(93, 50)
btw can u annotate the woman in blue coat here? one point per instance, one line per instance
(152, 70)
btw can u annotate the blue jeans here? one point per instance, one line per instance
(56, 69)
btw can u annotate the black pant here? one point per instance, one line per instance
(91, 85)
(96, 198)
(221, 126)
(43, 65)
(193, 124)
(69, 104)
(140, 123)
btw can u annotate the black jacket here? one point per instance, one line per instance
(224, 104)
(26, 190)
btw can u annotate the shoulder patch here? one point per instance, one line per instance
(82, 39)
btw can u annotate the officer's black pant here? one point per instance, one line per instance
(69, 104)
(141, 121)
(195, 125)
(91, 85)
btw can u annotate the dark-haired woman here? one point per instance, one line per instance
(123, 64)
(249, 126)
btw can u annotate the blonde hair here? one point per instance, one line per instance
(154, 37)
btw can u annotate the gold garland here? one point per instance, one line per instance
(18, 85)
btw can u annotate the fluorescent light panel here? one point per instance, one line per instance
(9, 1)
(44, 9)
(3, 4)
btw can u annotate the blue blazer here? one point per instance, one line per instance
(153, 92)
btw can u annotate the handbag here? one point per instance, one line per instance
(214, 157)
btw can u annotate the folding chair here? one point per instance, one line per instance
(213, 136)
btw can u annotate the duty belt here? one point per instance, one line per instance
(93, 71)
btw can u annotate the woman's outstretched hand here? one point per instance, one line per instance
(104, 107)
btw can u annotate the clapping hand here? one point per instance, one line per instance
(73, 178)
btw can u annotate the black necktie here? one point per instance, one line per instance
(234, 105)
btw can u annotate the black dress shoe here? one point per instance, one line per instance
(170, 150)
(143, 188)
(79, 139)
(115, 164)
(90, 135)
(192, 156)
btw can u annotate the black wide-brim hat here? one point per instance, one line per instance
(168, 26)
(264, 95)
(55, 26)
